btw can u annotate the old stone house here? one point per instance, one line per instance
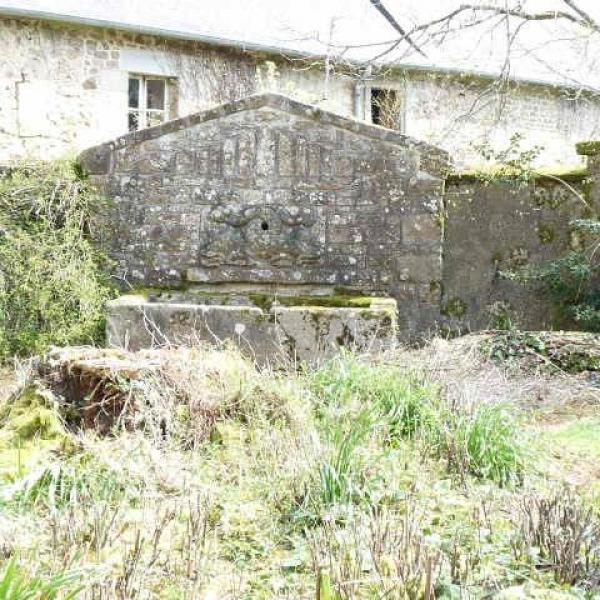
(77, 75)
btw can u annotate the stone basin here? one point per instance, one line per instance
(271, 328)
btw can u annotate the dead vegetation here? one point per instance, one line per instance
(199, 476)
(559, 533)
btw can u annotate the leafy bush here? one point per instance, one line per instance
(512, 164)
(53, 285)
(571, 280)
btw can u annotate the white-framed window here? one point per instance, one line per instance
(148, 101)
(383, 103)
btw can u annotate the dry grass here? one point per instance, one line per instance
(207, 485)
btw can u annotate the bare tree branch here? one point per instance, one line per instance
(585, 16)
(390, 19)
(547, 15)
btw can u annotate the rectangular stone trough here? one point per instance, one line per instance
(266, 328)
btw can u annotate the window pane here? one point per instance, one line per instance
(155, 90)
(134, 93)
(133, 121)
(155, 117)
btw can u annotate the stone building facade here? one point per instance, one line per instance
(65, 87)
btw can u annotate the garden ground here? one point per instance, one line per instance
(467, 468)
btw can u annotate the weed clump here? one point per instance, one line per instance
(81, 479)
(559, 533)
(479, 439)
(16, 584)
(482, 441)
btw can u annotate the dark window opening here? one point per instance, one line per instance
(386, 108)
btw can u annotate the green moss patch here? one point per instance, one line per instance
(588, 148)
(455, 307)
(265, 301)
(489, 173)
(546, 233)
(31, 413)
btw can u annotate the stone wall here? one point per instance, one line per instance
(460, 113)
(496, 227)
(64, 88)
(276, 194)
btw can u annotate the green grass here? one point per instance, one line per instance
(486, 442)
(581, 436)
(483, 440)
(81, 479)
(15, 584)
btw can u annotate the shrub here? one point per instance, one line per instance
(53, 285)
(570, 281)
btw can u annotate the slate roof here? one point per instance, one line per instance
(548, 53)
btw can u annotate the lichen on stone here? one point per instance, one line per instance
(546, 233)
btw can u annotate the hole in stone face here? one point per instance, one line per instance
(264, 226)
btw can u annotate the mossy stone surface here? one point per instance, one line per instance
(588, 148)
(455, 307)
(489, 173)
(30, 413)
